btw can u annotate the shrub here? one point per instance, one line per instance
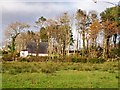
(23, 59)
(96, 60)
(34, 59)
(75, 59)
(7, 57)
(60, 59)
(37, 58)
(83, 59)
(3, 52)
(115, 53)
(79, 59)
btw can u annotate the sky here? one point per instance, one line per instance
(29, 11)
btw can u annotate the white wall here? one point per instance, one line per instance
(34, 54)
(23, 53)
(43, 54)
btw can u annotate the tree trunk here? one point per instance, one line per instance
(95, 44)
(83, 36)
(13, 45)
(77, 46)
(107, 47)
(68, 50)
(49, 47)
(63, 49)
(104, 47)
(114, 40)
(37, 48)
(87, 47)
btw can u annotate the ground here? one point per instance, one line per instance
(68, 75)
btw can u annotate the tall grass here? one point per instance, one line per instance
(52, 67)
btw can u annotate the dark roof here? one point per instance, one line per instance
(32, 47)
(24, 50)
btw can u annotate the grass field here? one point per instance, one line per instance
(59, 75)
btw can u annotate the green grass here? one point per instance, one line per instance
(59, 75)
(61, 79)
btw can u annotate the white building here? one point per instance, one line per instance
(31, 49)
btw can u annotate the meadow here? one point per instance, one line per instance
(59, 75)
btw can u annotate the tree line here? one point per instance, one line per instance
(59, 33)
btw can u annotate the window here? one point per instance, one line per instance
(23, 53)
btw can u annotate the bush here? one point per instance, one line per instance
(7, 57)
(3, 52)
(75, 59)
(37, 58)
(96, 60)
(52, 67)
(33, 59)
(21, 67)
(115, 53)
(23, 59)
(79, 59)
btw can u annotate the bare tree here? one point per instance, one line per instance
(52, 32)
(12, 32)
(81, 21)
(65, 32)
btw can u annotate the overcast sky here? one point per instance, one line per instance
(29, 11)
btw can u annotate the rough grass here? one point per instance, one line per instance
(51, 67)
(59, 75)
(61, 79)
